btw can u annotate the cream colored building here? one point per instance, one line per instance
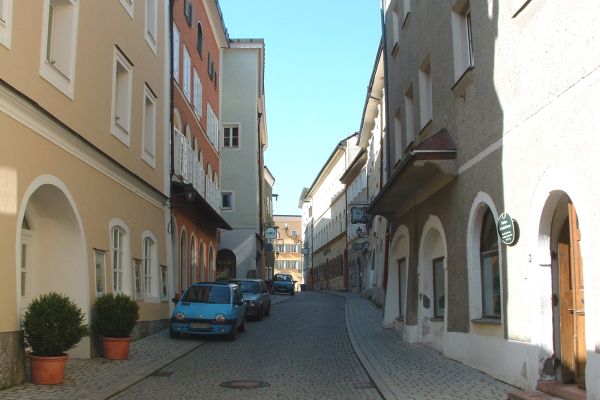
(83, 182)
(288, 246)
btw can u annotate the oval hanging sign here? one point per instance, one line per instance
(508, 230)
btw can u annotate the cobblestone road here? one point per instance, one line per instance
(302, 350)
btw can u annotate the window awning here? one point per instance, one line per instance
(431, 161)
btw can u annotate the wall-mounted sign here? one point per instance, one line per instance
(270, 233)
(508, 229)
(359, 215)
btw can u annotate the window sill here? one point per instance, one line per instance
(487, 321)
(463, 80)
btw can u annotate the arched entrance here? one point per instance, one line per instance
(52, 250)
(226, 265)
(568, 293)
(395, 303)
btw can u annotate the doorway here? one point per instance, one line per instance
(568, 295)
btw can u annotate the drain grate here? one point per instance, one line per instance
(364, 385)
(162, 373)
(247, 384)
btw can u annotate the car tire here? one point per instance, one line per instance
(260, 314)
(234, 332)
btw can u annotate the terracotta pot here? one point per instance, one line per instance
(115, 348)
(48, 370)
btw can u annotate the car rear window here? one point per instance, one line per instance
(249, 287)
(207, 294)
(283, 278)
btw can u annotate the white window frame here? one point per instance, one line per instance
(212, 126)
(121, 124)
(149, 127)
(176, 47)
(138, 278)
(425, 93)
(232, 198)
(462, 39)
(100, 271)
(62, 78)
(150, 266)
(230, 136)
(123, 282)
(197, 101)
(128, 5)
(152, 24)
(6, 7)
(187, 74)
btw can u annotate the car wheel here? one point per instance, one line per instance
(234, 332)
(173, 334)
(260, 314)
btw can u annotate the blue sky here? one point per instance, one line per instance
(319, 55)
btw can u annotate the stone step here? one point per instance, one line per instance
(561, 390)
(529, 395)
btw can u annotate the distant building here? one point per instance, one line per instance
(288, 247)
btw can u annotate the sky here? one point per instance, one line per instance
(319, 55)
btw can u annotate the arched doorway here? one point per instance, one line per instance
(45, 264)
(226, 265)
(568, 293)
(395, 303)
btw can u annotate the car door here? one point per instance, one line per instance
(238, 304)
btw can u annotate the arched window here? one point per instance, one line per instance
(490, 268)
(119, 250)
(194, 260)
(199, 42)
(183, 262)
(150, 263)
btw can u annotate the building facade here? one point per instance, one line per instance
(198, 36)
(480, 96)
(244, 140)
(288, 247)
(84, 148)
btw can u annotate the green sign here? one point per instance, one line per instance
(508, 230)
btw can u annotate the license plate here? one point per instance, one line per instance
(196, 325)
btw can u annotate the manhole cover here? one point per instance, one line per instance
(244, 384)
(161, 373)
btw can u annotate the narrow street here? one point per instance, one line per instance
(302, 351)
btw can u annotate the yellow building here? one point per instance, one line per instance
(288, 246)
(83, 166)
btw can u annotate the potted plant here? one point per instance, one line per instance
(114, 318)
(52, 324)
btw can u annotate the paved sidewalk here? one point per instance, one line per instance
(98, 378)
(411, 371)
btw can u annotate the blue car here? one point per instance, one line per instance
(209, 309)
(283, 283)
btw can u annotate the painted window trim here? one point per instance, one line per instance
(126, 284)
(231, 125)
(6, 24)
(98, 252)
(128, 5)
(150, 159)
(64, 83)
(153, 294)
(123, 133)
(152, 40)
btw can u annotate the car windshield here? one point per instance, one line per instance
(283, 278)
(249, 287)
(207, 294)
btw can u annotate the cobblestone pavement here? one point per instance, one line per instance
(411, 371)
(302, 351)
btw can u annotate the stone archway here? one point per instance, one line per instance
(226, 265)
(52, 250)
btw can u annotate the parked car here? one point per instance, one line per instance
(209, 309)
(283, 283)
(256, 296)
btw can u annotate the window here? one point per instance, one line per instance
(425, 94)
(99, 262)
(397, 136)
(231, 136)
(193, 259)
(462, 39)
(490, 268)
(187, 65)
(294, 233)
(59, 44)
(175, 53)
(405, 11)
(137, 279)
(117, 251)
(164, 283)
(208, 67)
(395, 28)
(149, 268)
(151, 23)
(5, 22)
(128, 5)
(183, 269)
(212, 126)
(409, 116)
(401, 287)
(149, 137)
(197, 95)
(187, 11)
(121, 104)
(439, 290)
(227, 200)
(199, 43)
